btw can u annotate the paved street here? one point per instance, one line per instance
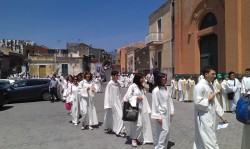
(45, 125)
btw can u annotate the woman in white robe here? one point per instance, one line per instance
(140, 130)
(87, 89)
(73, 98)
(206, 108)
(162, 110)
(233, 85)
(246, 128)
(113, 107)
(224, 99)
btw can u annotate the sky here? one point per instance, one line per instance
(105, 24)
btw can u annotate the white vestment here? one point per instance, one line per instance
(162, 108)
(205, 116)
(74, 98)
(113, 107)
(236, 88)
(140, 129)
(181, 89)
(87, 106)
(173, 88)
(224, 99)
(246, 129)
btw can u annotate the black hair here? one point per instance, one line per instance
(113, 73)
(248, 69)
(229, 74)
(158, 79)
(207, 69)
(137, 80)
(87, 72)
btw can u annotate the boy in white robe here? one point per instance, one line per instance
(113, 107)
(233, 85)
(162, 110)
(245, 90)
(206, 108)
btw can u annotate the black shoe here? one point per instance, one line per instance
(52, 101)
(83, 126)
(70, 121)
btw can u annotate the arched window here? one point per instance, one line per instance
(208, 21)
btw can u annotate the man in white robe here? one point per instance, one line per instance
(113, 107)
(224, 99)
(206, 109)
(181, 88)
(245, 90)
(173, 87)
(233, 85)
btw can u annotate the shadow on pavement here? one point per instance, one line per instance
(5, 108)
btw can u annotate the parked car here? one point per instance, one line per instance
(31, 89)
(6, 82)
(3, 96)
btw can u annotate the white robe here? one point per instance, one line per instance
(74, 98)
(236, 89)
(205, 116)
(173, 88)
(162, 108)
(181, 89)
(87, 106)
(224, 99)
(113, 108)
(246, 129)
(140, 129)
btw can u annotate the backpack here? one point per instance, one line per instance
(243, 110)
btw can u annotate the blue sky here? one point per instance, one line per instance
(106, 24)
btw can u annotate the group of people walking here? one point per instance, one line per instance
(207, 96)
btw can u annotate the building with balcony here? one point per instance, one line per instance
(212, 32)
(160, 39)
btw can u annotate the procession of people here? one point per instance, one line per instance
(210, 97)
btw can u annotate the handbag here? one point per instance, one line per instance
(130, 113)
(243, 110)
(67, 105)
(230, 96)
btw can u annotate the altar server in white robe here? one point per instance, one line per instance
(246, 129)
(113, 107)
(162, 110)
(173, 87)
(181, 88)
(140, 130)
(74, 99)
(233, 85)
(224, 99)
(98, 82)
(206, 108)
(65, 87)
(87, 90)
(190, 89)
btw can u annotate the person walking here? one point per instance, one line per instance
(206, 108)
(87, 90)
(162, 110)
(53, 88)
(113, 107)
(246, 128)
(140, 130)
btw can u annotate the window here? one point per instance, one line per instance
(208, 21)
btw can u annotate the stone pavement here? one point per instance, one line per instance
(45, 125)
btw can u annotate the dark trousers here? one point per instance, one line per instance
(53, 92)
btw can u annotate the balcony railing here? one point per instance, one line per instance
(154, 37)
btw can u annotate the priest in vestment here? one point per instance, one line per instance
(224, 100)
(190, 89)
(181, 88)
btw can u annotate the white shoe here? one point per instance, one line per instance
(91, 128)
(75, 124)
(134, 143)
